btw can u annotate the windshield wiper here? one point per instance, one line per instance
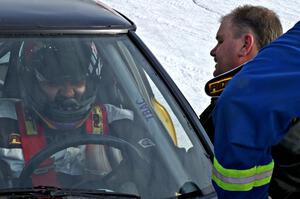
(55, 192)
(190, 190)
(196, 195)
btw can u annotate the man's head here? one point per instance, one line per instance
(59, 79)
(242, 33)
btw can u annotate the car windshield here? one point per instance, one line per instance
(90, 113)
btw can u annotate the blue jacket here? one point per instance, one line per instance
(252, 114)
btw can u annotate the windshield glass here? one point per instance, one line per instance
(90, 113)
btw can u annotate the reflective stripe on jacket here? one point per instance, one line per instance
(241, 180)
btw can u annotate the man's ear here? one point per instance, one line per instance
(248, 45)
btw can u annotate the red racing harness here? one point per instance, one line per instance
(33, 140)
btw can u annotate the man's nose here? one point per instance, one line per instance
(213, 51)
(68, 90)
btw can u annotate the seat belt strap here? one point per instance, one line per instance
(33, 141)
(97, 122)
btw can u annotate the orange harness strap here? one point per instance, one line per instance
(33, 142)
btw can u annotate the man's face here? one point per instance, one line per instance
(227, 51)
(66, 89)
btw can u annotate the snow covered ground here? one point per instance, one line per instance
(181, 34)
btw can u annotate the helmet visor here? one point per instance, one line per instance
(58, 61)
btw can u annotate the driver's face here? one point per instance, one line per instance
(66, 89)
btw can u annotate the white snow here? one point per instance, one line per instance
(181, 34)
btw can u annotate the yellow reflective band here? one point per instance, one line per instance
(242, 180)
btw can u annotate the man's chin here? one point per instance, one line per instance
(216, 71)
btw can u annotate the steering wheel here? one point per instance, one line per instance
(122, 145)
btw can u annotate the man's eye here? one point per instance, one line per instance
(79, 83)
(50, 84)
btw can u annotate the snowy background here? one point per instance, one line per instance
(181, 34)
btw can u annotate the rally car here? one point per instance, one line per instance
(88, 111)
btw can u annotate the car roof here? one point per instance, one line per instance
(60, 15)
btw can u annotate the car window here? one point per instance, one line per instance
(163, 103)
(100, 115)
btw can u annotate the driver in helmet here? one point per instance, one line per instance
(58, 89)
